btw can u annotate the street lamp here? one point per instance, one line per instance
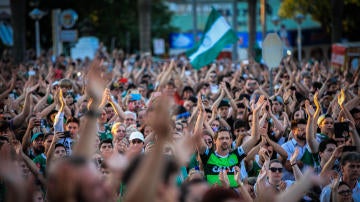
(36, 15)
(299, 18)
(275, 20)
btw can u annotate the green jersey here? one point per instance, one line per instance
(214, 163)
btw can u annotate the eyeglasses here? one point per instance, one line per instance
(129, 119)
(345, 192)
(136, 141)
(273, 169)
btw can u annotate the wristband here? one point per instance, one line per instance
(293, 164)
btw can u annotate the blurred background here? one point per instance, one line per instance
(169, 27)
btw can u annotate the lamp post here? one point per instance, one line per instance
(36, 15)
(299, 18)
(275, 20)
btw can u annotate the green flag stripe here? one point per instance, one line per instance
(208, 56)
(217, 34)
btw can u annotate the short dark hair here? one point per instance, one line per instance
(73, 120)
(240, 123)
(108, 140)
(221, 129)
(274, 161)
(295, 123)
(324, 143)
(350, 157)
(59, 145)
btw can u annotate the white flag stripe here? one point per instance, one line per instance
(217, 30)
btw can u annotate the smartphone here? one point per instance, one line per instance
(67, 134)
(42, 123)
(349, 148)
(340, 128)
(203, 97)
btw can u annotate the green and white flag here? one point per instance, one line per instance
(217, 35)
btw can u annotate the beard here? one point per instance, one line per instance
(224, 146)
(39, 149)
(302, 137)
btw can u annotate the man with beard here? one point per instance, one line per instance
(223, 158)
(305, 157)
(37, 144)
(251, 85)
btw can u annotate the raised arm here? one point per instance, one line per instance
(296, 170)
(34, 169)
(25, 142)
(310, 134)
(330, 163)
(200, 143)
(255, 135)
(158, 120)
(283, 154)
(96, 86)
(355, 137)
(11, 87)
(118, 110)
(232, 101)
(20, 119)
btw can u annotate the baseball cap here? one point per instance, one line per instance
(278, 99)
(321, 119)
(224, 103)
(36, 135)
(136, 135)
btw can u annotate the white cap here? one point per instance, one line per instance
(55, 83)
(136, 135)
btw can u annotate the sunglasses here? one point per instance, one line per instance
(345, 192)
(273, 169)
(136, 141)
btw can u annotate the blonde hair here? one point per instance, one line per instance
(115, 126)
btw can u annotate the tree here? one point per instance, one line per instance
(18, 12)
(113, 20)
(144, 10)
(252, 26)
(335, 16)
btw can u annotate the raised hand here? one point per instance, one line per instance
(237, 175)
(309, 109)
(316, 100)
(259, 104)
(293, 158)
(223, 177)
(96, 82)
(341, 98)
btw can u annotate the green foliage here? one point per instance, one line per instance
(321, 11)
(118, 19)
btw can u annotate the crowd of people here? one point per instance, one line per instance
(128, 128)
